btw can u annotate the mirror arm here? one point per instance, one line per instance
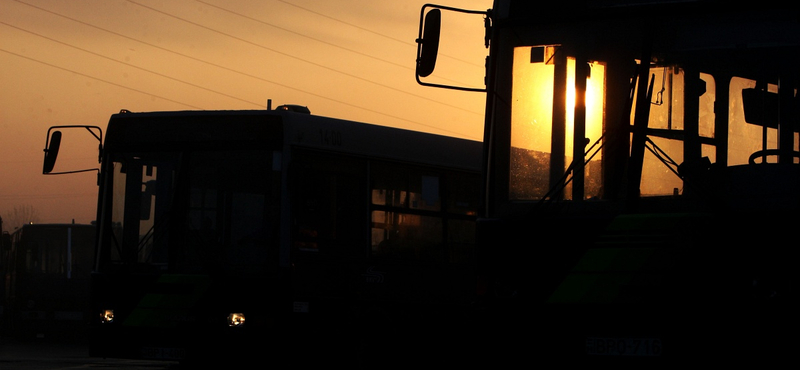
(430, 61)
(51, 148)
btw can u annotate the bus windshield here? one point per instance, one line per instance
(192, 211)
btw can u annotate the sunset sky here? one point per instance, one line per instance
(78, 62)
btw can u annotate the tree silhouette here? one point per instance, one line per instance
(19, 216)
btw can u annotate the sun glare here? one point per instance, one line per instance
(532, 107)
(534, 91)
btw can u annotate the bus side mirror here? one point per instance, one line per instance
(51, 152)
(430, 26)
(53, 144)
(428, 44)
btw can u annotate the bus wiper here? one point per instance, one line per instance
(662, 156)
(686, 172)
(566, 179)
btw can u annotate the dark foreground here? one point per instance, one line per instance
(57, 355)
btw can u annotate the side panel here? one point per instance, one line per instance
(381, 250)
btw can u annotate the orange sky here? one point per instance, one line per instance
(78, 62)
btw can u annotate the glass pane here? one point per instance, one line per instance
(328, 205)
(406, 236)
(424, 193)
(531, 125)
(463, 199)
(744, 138)
(537, 133)
(667, 113)
(657, 178)
(216, 210)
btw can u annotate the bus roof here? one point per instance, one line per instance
(33, 226)
(358, 138)
(230, 129)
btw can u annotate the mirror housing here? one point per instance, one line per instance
(428, 44)
(51, 152)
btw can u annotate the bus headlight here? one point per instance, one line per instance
(107, 316)
(236, 319)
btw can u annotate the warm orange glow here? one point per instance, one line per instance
(745, 139)
(594, 103)
(236, 319)
(532, 102)
(532, 120)
(107, 316)
(79, 62)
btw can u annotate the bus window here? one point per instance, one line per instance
(328, 200)
(406, 236)
(227, 209)
(140, 197)
(410, 220)
(666, 115)
(531, 124)
(405, 188)
(220, 199)
(667, 125)
(462, 200)
(542, 122)
(746, 138)
(406, 223)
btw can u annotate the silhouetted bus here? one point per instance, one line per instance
(46, 281)
(642, 180)
(237, 233)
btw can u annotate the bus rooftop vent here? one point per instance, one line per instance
(294, 108)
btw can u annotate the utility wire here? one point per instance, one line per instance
(292, 56)
(303, 35)
(199, 108)
(130, 65)
(210, 64)
(370, 31)
(403, 66)
(98, 79)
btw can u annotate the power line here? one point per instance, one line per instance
(87, 24)
(370, 31)
(98, 79)
(305, 36)
(403, 66)
(198, 108)
(130, 65)
(294, 57)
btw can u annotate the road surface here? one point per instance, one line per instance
(62, 355)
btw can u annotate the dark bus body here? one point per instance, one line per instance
(642, 182)
(226, 235)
